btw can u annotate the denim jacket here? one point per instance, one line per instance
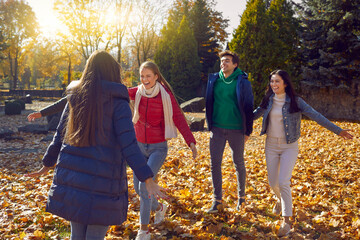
(292, 121)
(245, 100)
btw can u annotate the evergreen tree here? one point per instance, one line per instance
(253, 42)
(168, 34)
(331, 45)
(265, 40)
(207, 26)
(286, 39)
(185, 64)
(200, 19)
(176, 55)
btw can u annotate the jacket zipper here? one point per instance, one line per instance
(147, 103)
(241, 103)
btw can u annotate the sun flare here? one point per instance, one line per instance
(49, 24)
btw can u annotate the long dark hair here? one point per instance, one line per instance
(85, 100)
(289, 89)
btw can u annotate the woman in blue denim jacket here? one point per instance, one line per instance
(281, 110)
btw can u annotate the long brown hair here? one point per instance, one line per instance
(289, 89)
(155, 69)
(85, 100)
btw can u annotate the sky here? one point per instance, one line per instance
(231, 9)
(46, 16)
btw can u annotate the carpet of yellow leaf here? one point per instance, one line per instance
(325, 187)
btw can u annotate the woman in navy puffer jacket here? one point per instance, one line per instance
(93, 142)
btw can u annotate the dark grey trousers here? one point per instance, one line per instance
(235, 138)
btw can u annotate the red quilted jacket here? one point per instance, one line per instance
(150, 126)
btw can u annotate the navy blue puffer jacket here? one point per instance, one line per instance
(90, 183)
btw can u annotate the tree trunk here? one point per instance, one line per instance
(11, 70)
(28, 80)
(69, 71)
(138, 56)
(15, 72)
(119, 54)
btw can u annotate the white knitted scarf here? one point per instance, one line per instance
(170, 128)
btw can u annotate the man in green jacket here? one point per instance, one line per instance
(229, 114)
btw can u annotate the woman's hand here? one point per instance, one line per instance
(42, 171)
(345, 134)
(193, 149)
(32, 116)
(154, 189)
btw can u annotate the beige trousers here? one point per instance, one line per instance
(280, 161)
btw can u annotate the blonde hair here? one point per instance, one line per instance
(155, 69)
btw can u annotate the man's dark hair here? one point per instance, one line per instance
(235, 57)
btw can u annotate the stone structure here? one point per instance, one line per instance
(194, 105)
(34, 128)
(196, 123)
(340, 103)
(5, 132)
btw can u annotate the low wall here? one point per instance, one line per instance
(334, 103)
(34, 93)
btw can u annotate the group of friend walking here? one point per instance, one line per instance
(99, 135)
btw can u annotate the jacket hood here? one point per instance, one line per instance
(109, 89)
(112, 89)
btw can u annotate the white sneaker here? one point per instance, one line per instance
(284, 229)
(160, 214)
(143, 235)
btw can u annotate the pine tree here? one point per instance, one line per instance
(185, 63)
(286, 39)
(200, 21)
(265, 40)
(330, 37)
(163, 53)
(253, 41)
(168, 34)
(206, 25)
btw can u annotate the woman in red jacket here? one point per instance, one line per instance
(157, 116)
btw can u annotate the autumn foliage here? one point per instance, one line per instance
(325, 187)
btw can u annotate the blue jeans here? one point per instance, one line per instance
(235, 138)
(81, 231)
(155, 155)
